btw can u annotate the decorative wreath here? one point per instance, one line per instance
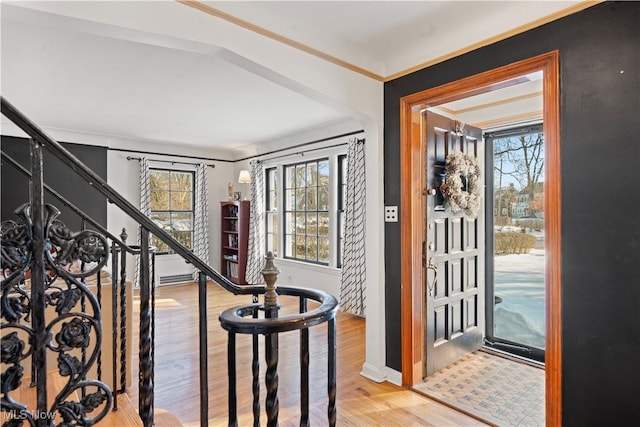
(461, 169)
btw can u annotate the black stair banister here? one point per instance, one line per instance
(145, 397)
(38, 321)
(245, 320)
(123, 316)
(114, 197)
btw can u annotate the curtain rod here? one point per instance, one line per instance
(184, 156)
(304, 144)
(168, 161)
(238, 160)
(302, 153)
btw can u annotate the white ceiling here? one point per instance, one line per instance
(69, 77)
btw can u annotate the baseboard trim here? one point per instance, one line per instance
(393, 376)
(373, 373)
(381, 374)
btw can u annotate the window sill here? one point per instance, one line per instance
(325, 269)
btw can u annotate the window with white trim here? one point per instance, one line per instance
(303, 214)
(342, 195)
(172, 205)
(306, 211)
(271, 214)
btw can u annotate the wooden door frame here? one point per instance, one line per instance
(412, 216)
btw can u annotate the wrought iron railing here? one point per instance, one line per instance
(33, 239)
(246, 320)
(118, 250)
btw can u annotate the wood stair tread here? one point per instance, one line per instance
(162, 418)
(125, 416)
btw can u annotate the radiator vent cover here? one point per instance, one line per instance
(177, 278)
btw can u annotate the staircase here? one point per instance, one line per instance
(60, 309)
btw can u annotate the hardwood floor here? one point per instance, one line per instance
(360, 402)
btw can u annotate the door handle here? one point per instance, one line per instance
(432, 266)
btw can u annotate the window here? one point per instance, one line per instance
(172, 205)
(515, 267)
(342, 195)
(306, 219)
(304, 210)
(271, 213)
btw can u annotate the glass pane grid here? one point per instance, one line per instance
(172, 205)
(271, 217)
(306, 204)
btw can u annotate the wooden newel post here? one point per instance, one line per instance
(270, 274)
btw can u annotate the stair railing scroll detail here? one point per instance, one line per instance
(70, 333)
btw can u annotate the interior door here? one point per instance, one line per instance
(453, 251)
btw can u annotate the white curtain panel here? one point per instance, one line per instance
(256, 252)
(145, 207)
(201, 217)
(352, 290)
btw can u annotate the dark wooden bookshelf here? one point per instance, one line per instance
(234, 240)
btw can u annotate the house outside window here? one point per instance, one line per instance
(172, 205)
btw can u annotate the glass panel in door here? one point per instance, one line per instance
(516, 286)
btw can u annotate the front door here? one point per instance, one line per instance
(453, 250)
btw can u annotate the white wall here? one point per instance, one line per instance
(305, 275)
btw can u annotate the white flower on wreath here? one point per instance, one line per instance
(457, 166)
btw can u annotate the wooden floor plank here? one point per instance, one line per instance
(360, 402)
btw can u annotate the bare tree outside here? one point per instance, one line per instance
(520, 159)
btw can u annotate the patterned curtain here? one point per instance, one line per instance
(145, 206)
(256, 252)
(201, 218)
(352, 290)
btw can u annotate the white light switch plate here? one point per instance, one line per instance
(390, 214)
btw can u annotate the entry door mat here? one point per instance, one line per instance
(492, 388)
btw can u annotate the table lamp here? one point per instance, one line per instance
(244, 178)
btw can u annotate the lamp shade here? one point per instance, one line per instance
(244, 177)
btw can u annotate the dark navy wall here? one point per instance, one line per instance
(600, 159)
(15, 186)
